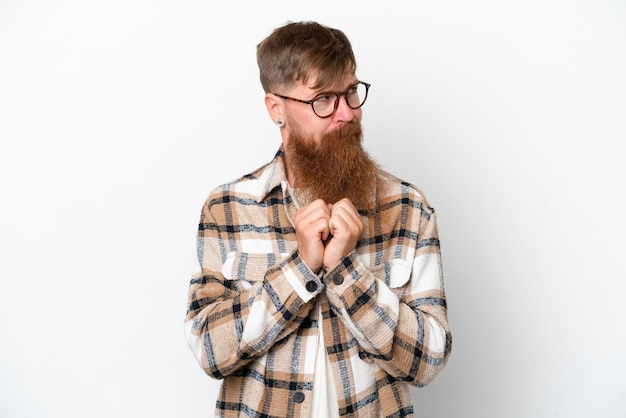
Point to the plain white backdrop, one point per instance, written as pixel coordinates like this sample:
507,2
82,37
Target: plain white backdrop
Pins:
118,117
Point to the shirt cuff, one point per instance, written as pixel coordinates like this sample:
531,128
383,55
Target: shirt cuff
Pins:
346,275
304,281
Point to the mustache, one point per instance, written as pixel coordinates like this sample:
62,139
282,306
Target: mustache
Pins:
349,131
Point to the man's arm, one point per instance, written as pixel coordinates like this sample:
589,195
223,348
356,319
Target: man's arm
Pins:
405,332
230,321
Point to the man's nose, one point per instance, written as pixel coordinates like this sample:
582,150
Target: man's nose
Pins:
344,112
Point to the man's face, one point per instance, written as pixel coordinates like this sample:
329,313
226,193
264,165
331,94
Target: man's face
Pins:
325,156
300,118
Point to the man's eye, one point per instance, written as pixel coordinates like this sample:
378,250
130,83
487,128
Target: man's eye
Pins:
323,99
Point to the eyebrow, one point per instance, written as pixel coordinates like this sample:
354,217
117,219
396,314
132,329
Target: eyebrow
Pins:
352,83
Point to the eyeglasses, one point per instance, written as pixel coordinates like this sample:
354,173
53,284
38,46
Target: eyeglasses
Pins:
325,104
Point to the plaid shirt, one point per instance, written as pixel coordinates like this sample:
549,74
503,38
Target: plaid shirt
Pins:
250,318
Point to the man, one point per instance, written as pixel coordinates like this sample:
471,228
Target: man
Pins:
319,291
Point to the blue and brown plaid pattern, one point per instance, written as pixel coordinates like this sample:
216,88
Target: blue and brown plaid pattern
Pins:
251,319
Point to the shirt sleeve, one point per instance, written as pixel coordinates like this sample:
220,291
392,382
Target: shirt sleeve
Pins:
400,323
231,321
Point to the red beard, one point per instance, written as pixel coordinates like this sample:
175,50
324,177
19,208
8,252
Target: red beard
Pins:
337,168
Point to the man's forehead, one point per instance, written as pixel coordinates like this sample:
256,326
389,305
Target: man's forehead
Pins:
314,84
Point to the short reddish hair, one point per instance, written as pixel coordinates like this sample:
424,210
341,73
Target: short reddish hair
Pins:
298,51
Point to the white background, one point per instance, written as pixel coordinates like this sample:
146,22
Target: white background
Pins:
118,117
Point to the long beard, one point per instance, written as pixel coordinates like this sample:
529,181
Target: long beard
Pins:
337,168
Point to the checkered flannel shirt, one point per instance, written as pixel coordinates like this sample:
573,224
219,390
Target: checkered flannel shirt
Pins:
250,320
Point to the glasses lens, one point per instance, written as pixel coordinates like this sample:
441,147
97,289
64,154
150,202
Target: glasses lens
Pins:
356,95
326,104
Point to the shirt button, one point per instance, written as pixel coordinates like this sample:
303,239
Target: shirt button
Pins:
338,279
311,286
298,397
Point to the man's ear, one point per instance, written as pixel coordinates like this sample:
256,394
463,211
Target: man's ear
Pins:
274,107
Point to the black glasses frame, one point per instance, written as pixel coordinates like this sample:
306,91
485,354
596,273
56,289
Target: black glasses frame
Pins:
338,94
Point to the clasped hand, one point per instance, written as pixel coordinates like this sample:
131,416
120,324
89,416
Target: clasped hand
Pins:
326,233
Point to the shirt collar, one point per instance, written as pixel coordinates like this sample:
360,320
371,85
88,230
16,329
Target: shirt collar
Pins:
272,175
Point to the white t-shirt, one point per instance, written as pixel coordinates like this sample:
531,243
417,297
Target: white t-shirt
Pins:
324,396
